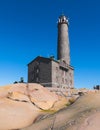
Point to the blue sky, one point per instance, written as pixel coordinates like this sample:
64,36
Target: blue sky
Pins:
28,28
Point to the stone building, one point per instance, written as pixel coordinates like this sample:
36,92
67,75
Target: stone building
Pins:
51,72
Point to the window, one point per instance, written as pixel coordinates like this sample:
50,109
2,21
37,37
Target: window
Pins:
70,74
70,82
57,79
56,69
66,73
37,79
32,79
62,80
37,70
65,80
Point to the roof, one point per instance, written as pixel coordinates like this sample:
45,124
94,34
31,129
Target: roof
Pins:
41,58
48,59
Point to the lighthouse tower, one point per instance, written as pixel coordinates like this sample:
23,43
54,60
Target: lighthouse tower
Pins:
63,40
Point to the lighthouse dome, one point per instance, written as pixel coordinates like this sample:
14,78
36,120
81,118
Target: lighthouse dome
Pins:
63,19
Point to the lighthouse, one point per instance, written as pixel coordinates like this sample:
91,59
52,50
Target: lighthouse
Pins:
63,40
51,72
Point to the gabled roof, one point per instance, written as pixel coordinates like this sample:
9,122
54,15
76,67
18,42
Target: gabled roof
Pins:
40,58
45,58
